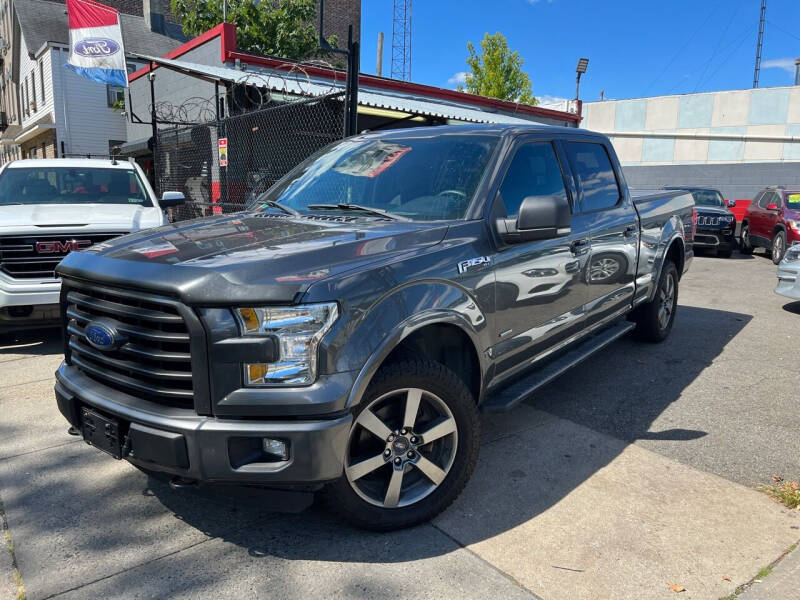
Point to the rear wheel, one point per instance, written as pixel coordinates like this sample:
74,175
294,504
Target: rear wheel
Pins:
411,449
746,247
778,247
654,320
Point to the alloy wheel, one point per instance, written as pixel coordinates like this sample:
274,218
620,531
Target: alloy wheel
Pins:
603,269
401,448
666,297
777,247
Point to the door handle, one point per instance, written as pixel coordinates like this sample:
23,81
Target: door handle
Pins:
577,246
631,230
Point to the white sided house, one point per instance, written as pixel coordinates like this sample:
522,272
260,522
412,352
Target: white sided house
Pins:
59,113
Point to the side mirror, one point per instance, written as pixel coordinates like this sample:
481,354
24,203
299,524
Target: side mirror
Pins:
172,199
772,206
731,203
540,218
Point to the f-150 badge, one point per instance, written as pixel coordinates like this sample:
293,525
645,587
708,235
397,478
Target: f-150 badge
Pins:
473,263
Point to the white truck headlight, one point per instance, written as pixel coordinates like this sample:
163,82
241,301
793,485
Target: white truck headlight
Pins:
298,330
792,254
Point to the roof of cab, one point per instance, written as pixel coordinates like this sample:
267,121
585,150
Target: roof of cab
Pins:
499,129
75,163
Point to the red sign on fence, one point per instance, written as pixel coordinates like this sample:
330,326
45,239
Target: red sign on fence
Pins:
222,146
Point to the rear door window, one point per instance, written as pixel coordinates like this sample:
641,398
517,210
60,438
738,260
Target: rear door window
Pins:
595,175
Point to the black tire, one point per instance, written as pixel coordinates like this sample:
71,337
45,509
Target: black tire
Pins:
650,326
778,248
439,384
745,246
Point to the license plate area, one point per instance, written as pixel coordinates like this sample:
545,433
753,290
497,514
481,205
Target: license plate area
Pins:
101,432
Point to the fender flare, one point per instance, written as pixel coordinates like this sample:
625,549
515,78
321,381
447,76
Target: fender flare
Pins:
415,322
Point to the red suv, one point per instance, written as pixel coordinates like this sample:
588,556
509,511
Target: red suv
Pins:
772,221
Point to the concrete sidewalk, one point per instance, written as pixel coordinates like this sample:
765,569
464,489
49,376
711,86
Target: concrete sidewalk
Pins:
783,582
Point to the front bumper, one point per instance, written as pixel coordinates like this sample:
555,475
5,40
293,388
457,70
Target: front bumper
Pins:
200,448
26,303
789,280
717,238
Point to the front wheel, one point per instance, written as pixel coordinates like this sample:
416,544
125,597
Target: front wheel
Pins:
654,320
412,447
778,247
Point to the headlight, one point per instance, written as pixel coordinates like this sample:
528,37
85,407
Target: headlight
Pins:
794,225
298,330
792,254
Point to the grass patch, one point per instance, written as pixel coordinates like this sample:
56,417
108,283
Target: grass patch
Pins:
785,492
764,573
21,595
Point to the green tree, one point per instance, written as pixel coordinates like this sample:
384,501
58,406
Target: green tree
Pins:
283,28
497,72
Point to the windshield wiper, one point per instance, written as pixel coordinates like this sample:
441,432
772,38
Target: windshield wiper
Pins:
342,206
286,209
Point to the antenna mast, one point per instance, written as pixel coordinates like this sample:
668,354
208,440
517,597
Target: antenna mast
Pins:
757,71
401,40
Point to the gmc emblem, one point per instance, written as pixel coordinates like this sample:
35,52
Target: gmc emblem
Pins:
62,247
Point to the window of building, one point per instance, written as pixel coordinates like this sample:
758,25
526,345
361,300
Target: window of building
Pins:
32,76
115,96
534,171
41,77
595,175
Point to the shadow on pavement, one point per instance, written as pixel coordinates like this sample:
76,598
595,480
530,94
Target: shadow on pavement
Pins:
792,307
519,475
31,342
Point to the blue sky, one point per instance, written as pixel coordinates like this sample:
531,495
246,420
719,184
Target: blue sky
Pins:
636,47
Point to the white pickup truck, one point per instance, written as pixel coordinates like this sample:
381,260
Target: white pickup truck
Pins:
50,207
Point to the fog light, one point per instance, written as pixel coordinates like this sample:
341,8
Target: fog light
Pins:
275,448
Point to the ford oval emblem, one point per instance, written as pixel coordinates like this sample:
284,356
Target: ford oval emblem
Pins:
103,335
96,47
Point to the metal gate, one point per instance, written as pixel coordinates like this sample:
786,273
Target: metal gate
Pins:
222,165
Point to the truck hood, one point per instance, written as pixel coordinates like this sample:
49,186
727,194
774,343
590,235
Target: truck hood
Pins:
97,217
251,257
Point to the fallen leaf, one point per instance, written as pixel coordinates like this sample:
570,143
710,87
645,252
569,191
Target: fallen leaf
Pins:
725,578
676,588
777,478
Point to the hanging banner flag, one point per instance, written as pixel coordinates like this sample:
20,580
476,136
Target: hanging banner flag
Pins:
95,42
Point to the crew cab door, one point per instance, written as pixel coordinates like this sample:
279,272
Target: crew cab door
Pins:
613,229
539,285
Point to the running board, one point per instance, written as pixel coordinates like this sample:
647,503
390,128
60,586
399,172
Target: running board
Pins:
508,397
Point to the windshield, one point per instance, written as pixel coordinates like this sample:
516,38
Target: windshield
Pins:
419,177
708,198
70,185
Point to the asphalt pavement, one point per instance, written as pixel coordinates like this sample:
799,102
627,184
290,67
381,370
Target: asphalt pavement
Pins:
633,472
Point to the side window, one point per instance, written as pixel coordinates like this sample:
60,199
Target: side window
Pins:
767,199
534,171
595,175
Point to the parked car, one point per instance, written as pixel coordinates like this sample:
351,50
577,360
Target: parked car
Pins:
347,328
50,207
716,223
789,274
772,221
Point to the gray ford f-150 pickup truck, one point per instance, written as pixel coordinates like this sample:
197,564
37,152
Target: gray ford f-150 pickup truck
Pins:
347,328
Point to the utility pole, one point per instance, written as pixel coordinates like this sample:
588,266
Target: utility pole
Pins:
401,40
797,71
760,45
379,59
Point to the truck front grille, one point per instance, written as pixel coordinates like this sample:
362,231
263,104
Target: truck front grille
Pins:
36,256
152,359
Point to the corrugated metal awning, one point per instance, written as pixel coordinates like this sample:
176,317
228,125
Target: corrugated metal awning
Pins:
302,85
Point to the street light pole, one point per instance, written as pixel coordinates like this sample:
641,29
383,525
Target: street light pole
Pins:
797,71
580,70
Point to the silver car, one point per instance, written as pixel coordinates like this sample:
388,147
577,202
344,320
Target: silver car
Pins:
789,274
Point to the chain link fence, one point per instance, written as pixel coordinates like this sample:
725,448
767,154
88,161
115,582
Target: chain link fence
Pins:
222,165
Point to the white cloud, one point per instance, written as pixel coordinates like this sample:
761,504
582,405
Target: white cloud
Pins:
787,64
547,99
458,78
